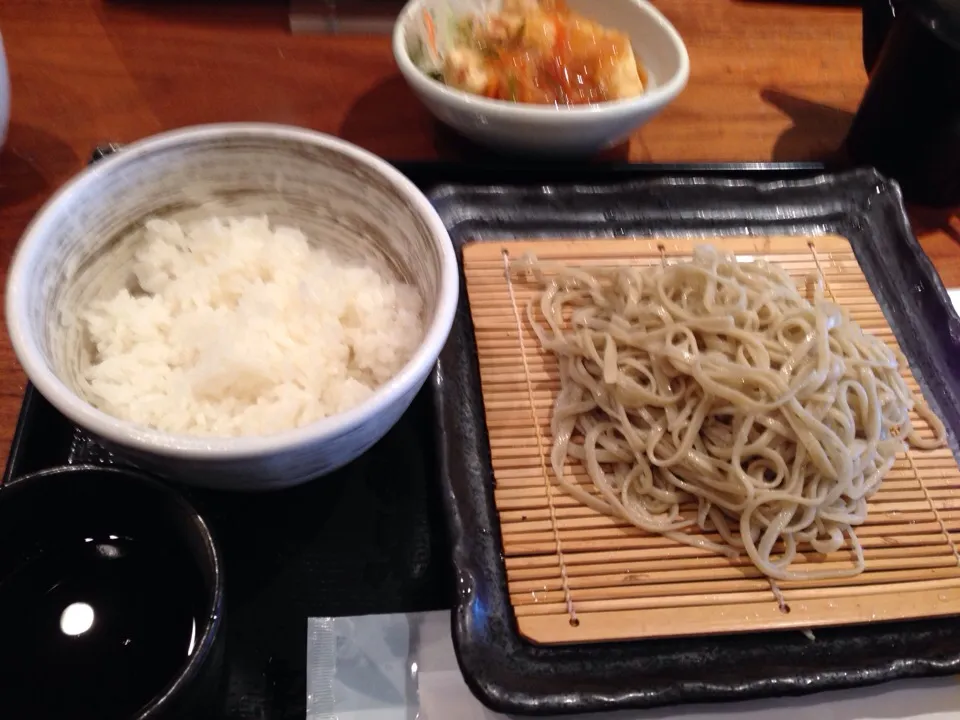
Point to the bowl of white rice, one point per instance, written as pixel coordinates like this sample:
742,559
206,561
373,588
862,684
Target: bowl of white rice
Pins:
237,306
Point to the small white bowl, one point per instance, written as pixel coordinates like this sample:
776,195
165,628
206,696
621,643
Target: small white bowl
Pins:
78,244
550,130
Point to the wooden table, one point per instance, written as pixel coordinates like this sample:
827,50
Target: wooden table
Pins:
769,81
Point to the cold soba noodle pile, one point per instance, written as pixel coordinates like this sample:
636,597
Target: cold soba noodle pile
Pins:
717,381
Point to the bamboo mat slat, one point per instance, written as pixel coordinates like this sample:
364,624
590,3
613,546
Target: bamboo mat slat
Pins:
624,583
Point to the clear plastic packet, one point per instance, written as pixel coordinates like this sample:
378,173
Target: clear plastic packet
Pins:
370,667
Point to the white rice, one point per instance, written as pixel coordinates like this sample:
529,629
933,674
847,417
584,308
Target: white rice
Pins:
239,328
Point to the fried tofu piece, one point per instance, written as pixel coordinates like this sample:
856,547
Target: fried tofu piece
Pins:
463,68
625,81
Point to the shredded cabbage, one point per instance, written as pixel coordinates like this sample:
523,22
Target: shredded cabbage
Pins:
446,21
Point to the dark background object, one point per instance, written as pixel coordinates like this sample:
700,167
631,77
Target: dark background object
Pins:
372,538
344,16
908,124
514,676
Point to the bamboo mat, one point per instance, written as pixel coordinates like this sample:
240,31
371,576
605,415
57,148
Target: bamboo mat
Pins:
625,583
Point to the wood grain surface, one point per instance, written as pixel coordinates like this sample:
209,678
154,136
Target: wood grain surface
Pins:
769,80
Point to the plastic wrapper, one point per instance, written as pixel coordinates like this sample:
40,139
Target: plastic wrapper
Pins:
371,667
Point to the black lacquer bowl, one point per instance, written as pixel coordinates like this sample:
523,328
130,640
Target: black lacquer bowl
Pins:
111,599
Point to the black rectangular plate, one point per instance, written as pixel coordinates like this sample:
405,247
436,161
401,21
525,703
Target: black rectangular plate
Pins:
372,538
512,675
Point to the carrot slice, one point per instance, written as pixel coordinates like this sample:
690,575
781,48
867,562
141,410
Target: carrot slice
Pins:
431,32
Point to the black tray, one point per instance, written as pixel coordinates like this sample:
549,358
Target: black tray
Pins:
512,675
371,539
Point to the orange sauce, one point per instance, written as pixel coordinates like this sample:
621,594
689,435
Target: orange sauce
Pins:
574,70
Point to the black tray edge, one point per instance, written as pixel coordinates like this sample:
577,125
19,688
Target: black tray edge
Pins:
23,421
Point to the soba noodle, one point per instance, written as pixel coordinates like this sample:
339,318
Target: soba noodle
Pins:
716,382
